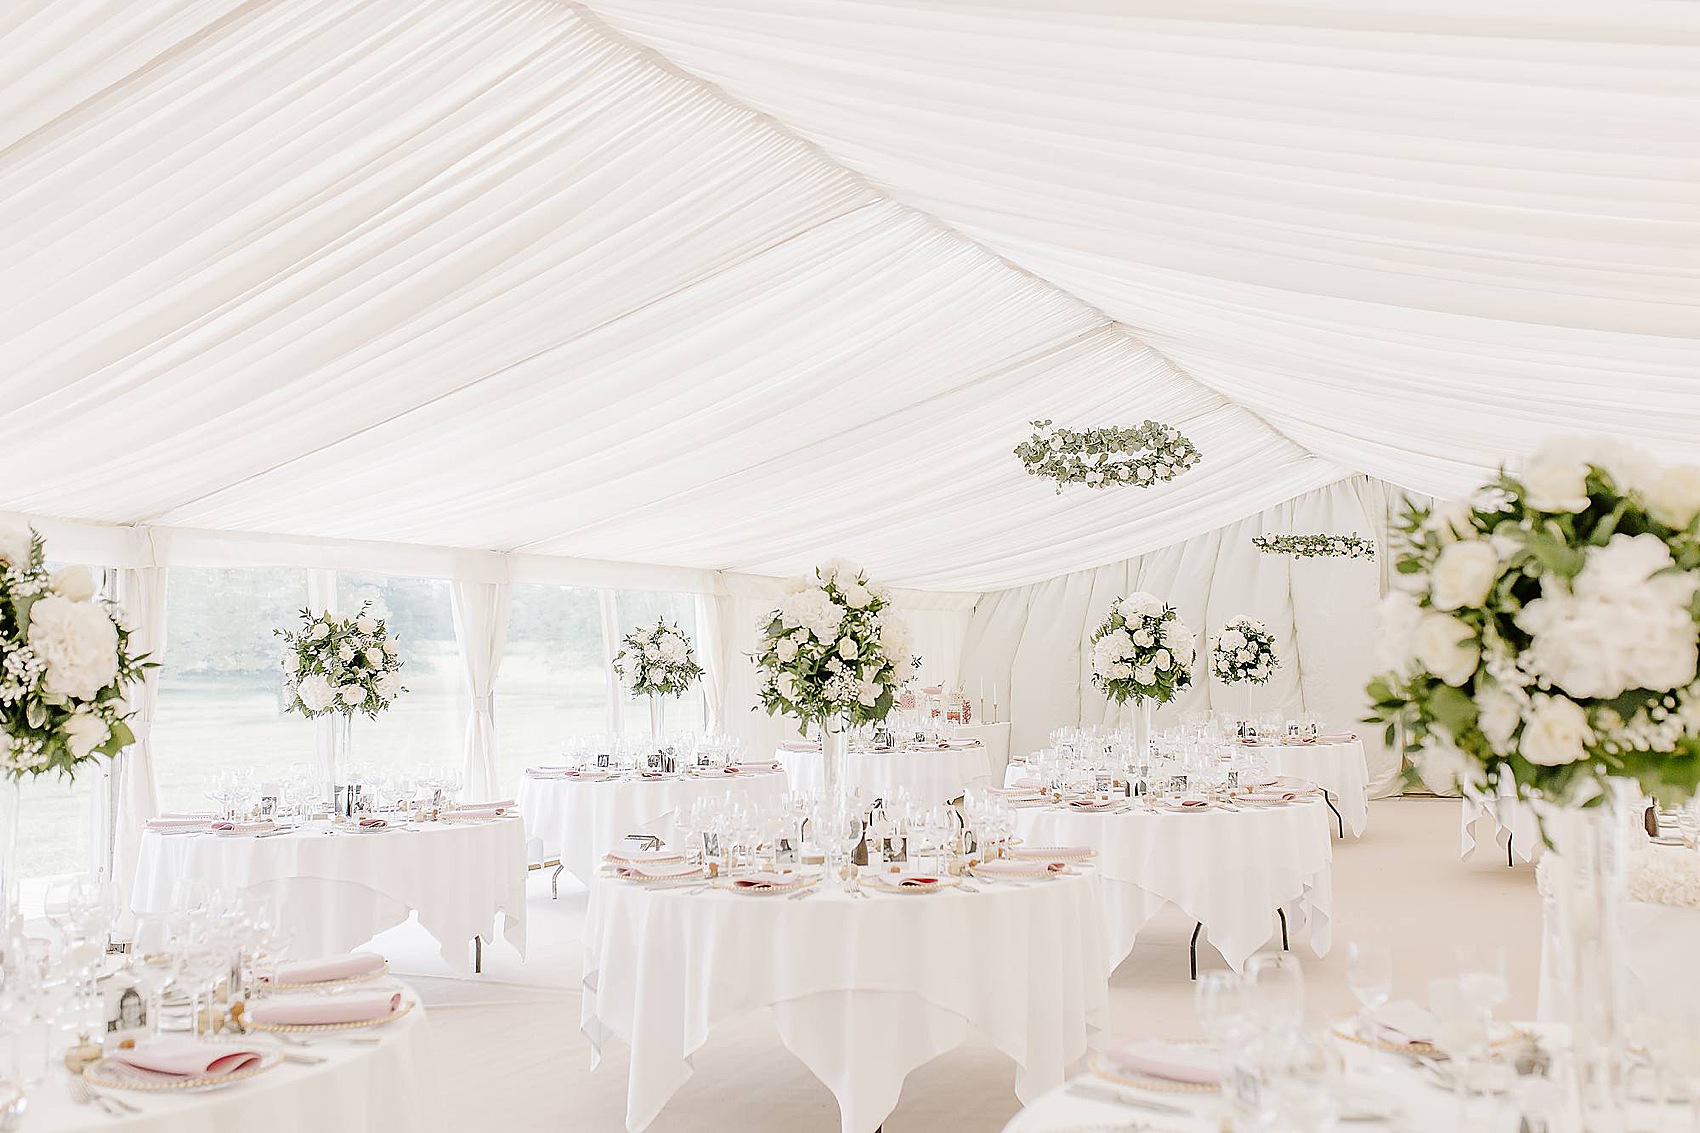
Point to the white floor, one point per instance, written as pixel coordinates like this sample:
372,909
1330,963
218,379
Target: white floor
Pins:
511,1057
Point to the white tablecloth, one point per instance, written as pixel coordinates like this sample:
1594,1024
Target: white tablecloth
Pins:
1229,870
1660,943
931,776
578,822
357,1089
863,991
1513,822
994,736
337,891
1340,769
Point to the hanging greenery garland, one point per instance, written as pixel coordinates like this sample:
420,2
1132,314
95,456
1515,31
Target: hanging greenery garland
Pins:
1316,546
1141,456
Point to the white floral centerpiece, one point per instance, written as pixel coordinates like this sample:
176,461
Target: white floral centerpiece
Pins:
657,661
1142,651
834,649
1544,632
341,665
66,663
1244,651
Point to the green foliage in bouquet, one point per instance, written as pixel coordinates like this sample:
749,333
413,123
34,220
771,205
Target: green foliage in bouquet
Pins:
1142,651
341,664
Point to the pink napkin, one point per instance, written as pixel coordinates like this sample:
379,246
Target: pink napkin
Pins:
187,1058
654,775
798,745
1337,738
260,827
766,879
964,743
1400,1023
309,1010
761,765
1152,1058
1092,804
1028,782
591,773
176,823
655,871
1002,867
478,810
1193,804
374,823
1269,796
909,881
1049,853
730,769
344,967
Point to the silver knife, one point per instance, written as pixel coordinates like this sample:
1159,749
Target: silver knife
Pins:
1117,1097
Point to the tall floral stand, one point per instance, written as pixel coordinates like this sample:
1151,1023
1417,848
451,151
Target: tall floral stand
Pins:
1589,876
1141,713
341,754
834,755
658,720
10,806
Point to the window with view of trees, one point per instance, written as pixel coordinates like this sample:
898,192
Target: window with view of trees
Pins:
554,678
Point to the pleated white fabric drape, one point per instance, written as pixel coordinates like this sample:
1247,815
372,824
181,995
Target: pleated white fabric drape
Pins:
1035,641
141,593
481,632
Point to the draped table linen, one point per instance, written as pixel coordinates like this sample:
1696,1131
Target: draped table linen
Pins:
335,891
577,821
1228,870
1514,824
931,776
863,991
1341,769
358,1088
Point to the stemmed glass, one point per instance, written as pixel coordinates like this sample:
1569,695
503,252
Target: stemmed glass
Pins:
153,964
1277,987
1369,973
1461,1033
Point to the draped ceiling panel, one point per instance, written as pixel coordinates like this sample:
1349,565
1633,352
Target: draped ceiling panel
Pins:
739,287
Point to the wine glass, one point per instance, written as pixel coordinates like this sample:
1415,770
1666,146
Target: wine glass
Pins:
1277,986
153,964
1369,973
1481,970
1461,1033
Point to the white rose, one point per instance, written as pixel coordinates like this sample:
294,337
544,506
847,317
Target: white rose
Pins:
387,686
652,651
366,625
1141,604
1444,768
316,693
1499,715
1450,520
1673,495
1463,575
84,732
856,596
1446,647
1145,675
1163,660
785,649
894,637
1231,639
1554,480
1557,732
375,657
15,542
1179,638
291,661
352,695
786,685
389,647
1140,637
78,643
345,652
903,670
319,632
848,649
868,693
73,582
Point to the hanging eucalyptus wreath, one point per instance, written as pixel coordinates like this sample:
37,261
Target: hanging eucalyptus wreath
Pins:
1316,546
1141,456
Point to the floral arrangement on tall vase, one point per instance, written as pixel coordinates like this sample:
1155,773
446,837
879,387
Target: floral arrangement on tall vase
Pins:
65,662
1244,652
1142,652
1543,637
339,666
835,654
657,661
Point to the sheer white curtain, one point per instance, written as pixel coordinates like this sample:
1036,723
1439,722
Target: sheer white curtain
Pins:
1035,641
141,592
481,631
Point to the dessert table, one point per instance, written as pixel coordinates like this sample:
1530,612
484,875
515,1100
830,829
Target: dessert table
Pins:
579,820
1228,870
931,775
863,990
386,1082
337,888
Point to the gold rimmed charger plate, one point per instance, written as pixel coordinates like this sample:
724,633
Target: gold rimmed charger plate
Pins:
1033,855
1347,1029
324,1028
1103,1070
110,1074
338,982
730,885
943,883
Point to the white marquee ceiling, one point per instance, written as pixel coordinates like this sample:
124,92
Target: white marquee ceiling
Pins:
740,286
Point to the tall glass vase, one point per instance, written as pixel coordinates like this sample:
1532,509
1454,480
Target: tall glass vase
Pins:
834,754
342,754
658,720
10,805
1589,877
1142,730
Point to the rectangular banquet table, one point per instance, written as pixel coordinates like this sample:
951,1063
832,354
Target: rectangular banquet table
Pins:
336,889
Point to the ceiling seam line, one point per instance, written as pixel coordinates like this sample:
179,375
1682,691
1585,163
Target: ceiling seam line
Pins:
597,24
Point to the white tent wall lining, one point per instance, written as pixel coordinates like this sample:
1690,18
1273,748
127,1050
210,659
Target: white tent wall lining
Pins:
1033,643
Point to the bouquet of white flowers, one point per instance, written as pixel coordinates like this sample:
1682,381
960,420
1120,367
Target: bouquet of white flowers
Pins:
657,661
1244,651
64,663
1544,633
341,665
1142,651
834,648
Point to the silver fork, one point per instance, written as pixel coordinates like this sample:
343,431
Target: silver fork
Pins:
83,1094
